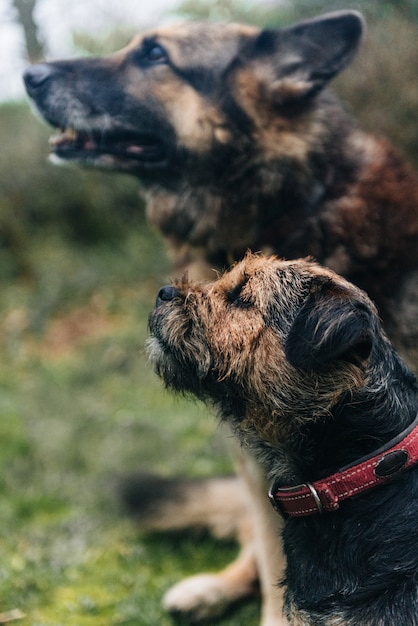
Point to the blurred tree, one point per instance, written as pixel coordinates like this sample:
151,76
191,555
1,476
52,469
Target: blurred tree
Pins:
102,44
248,11
409,8
34,46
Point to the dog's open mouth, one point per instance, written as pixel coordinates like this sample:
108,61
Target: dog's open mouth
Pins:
109,148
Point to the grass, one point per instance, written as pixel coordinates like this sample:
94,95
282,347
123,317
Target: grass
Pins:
79,406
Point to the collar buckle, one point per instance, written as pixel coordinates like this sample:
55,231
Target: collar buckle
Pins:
379,467
275,490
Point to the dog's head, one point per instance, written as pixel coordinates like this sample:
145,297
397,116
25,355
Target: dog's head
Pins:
169,92
279,342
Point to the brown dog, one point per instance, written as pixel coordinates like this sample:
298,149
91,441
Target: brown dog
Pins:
295,359
239,145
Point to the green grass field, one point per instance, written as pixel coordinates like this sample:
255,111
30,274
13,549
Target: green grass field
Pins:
80,406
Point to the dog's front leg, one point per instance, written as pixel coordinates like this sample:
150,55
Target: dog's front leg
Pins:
208,595
267,541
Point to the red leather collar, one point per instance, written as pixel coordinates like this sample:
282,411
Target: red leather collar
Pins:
369,472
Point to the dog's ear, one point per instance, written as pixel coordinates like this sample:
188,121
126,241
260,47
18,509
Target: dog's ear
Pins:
331,326
304,57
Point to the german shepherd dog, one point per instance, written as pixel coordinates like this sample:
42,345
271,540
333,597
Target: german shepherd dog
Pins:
239,145
295,359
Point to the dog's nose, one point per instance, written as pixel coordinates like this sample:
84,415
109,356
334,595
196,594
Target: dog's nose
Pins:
166,294
36,76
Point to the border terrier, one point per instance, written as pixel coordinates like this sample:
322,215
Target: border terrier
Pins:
294,358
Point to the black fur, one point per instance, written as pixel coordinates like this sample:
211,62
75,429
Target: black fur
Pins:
325,331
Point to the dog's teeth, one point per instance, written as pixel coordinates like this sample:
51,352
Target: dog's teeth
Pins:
64,136
55,140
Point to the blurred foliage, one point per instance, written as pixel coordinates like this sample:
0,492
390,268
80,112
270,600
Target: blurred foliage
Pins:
287,11
227,10
381,86
117,38
79,407
36,196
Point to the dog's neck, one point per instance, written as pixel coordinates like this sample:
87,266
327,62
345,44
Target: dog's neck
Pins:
360,423
368,545
272,188
367,421
326,494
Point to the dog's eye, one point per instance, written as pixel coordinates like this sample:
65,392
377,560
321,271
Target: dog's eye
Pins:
148,54
156,54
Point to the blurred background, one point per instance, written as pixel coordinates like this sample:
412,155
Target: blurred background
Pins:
79,270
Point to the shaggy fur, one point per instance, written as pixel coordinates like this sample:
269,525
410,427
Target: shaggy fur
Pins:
238,147
295,359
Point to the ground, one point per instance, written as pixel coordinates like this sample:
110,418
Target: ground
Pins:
79,408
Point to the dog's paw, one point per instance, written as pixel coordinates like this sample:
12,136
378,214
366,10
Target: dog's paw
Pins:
198,598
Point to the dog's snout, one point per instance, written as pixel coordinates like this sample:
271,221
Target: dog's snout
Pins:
166,294
36,76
